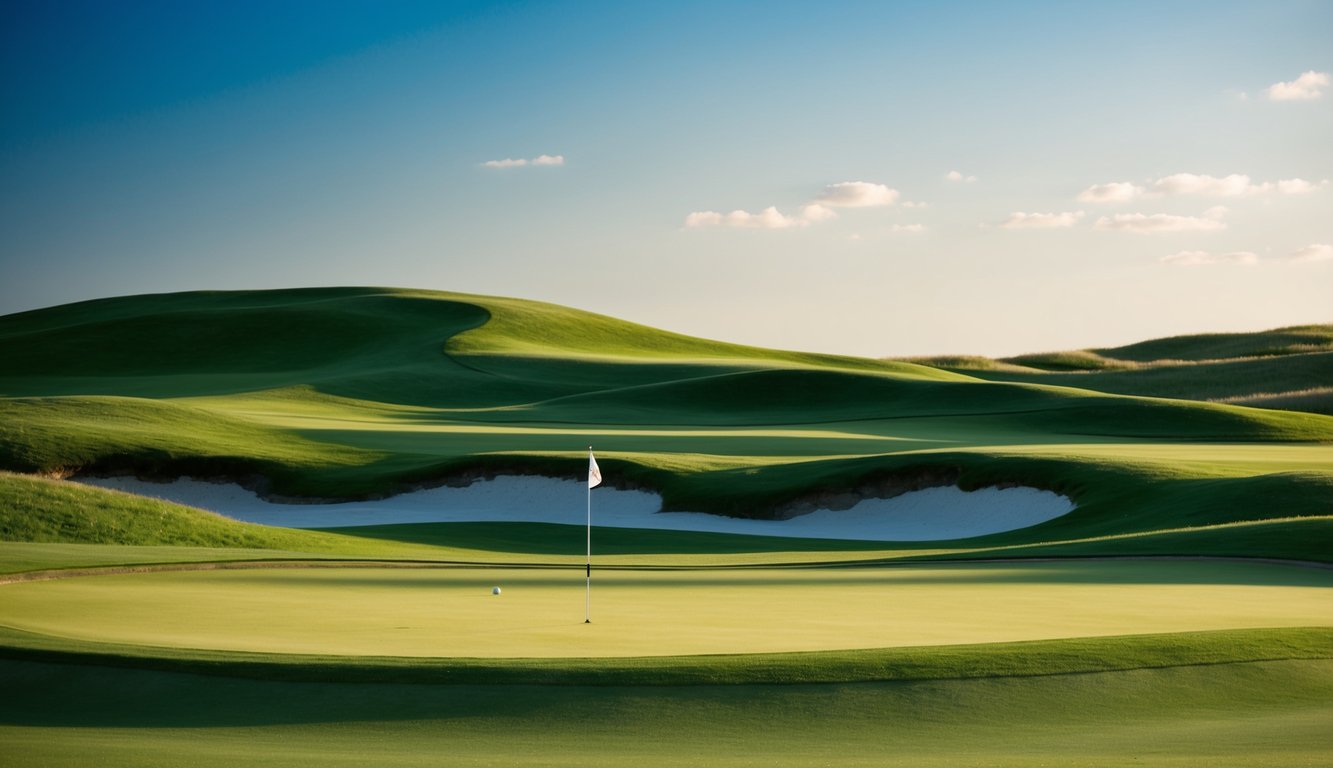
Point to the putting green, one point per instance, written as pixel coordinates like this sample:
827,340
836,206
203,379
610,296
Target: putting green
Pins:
450,612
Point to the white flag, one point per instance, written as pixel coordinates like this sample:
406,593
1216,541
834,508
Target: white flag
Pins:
594,472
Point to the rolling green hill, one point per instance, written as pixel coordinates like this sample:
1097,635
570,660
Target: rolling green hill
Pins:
359,391
333,393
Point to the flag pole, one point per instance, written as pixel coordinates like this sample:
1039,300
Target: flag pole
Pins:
587,596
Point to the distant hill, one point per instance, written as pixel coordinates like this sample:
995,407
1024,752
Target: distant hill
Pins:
1285,368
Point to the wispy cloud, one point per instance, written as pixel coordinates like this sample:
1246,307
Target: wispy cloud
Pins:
1111,192
1195,184
1202,185
959,176
1307,87
858,194
1312,253
1206,259
908,228
769,218
1234,185
1142,223
844,194
1020,220
519,162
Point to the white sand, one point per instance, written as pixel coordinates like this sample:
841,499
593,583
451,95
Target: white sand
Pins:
928,515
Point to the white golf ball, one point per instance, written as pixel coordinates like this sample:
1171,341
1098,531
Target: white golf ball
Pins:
495,591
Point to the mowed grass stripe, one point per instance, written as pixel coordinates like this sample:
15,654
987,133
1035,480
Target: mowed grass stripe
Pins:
1232,714
452,613
1038,658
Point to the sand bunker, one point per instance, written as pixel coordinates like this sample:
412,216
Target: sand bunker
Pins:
932,514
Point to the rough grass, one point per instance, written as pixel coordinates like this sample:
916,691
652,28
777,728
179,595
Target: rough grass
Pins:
1297,339
1311,400
1286,368
44,510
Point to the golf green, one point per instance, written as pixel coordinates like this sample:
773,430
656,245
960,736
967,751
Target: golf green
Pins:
450,612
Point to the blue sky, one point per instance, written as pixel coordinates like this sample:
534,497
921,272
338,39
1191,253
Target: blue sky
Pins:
1119,170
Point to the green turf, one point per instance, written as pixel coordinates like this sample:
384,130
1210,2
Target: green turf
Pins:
1231,714
450,612
709,648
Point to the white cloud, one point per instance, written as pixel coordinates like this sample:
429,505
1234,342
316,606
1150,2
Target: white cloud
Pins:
1299,186
957,176
1304,88
1312,253
769,218
1233,185
1194,184
1205,259
519,162
1142,223
1315,252
815,212
915,204
1111,192
1019,220
857,194
846,194
909,228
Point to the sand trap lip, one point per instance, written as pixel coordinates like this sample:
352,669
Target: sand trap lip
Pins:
932,514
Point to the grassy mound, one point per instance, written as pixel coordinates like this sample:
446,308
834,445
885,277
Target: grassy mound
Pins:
1295,340
1286,368
356,392
41,510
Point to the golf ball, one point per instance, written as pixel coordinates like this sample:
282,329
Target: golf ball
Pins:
495,591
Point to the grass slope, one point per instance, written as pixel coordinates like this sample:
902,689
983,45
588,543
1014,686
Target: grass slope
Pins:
358,392
1286,368
353,392
51,524
1257,713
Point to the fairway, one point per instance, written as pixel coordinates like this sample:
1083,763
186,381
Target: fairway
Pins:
449,612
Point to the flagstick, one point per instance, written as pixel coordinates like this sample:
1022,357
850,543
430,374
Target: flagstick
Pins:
587,597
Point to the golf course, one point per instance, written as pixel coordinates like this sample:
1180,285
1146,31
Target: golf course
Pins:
1147,577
